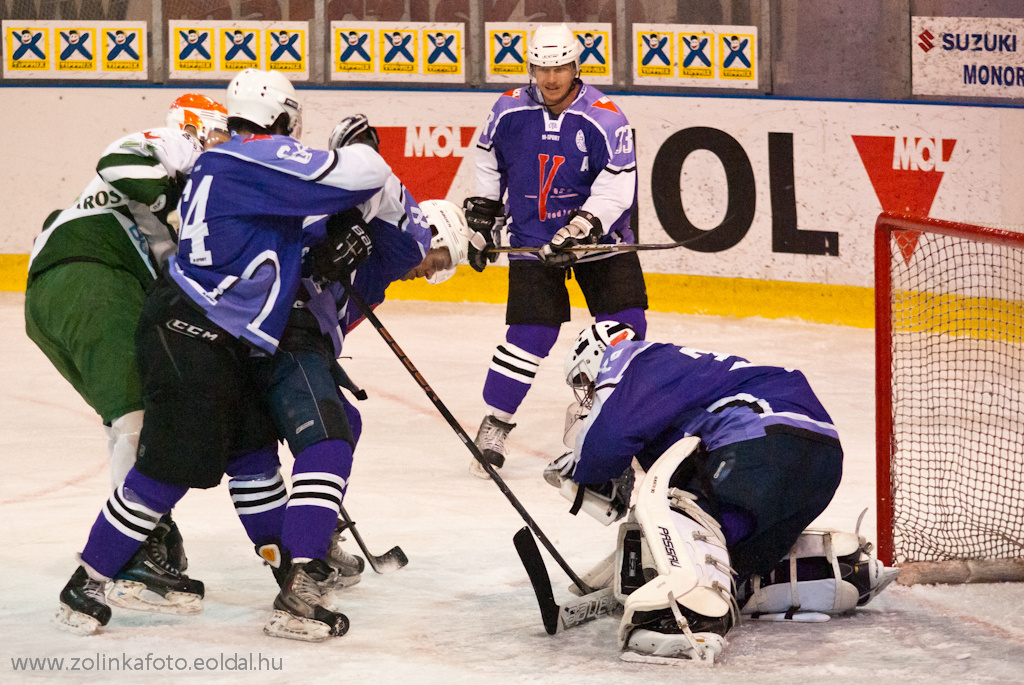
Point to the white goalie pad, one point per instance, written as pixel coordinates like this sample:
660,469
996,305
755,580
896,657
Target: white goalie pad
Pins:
686,548
851,577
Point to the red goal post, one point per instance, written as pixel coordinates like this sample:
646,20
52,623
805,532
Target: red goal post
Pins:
949,364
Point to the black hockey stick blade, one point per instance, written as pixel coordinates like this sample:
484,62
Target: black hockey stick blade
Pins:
529,553
559,617
618,247
392,560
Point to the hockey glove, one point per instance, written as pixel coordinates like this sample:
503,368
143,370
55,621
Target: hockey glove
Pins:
352,130
346,246
560,469
583,229
485,217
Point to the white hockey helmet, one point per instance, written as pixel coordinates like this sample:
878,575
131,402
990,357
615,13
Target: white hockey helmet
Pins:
552,46
261,97
200,112
452,232
584,358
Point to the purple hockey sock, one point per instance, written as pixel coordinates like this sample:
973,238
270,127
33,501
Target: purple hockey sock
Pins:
129,516
515,365
258,493
319,479
634,317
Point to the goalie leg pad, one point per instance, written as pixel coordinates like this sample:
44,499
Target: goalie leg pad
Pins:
826,571
691,593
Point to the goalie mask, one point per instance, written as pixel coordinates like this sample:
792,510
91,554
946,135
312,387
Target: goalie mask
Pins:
584,359
261,97
450,230
199,112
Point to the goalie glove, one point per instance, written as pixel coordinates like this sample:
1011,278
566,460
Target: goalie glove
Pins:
583,229
560,469
485,217
346,246
605,503
352,130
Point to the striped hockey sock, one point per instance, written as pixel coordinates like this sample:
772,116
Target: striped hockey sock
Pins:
319,479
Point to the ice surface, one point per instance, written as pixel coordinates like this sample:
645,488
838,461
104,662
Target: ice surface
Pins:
462,611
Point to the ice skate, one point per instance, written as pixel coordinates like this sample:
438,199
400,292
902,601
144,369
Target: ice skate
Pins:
348,568
490,440
149,582
299,613
83,604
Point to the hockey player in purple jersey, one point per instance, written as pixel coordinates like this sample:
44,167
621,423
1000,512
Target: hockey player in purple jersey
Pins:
738,459
205,334
556,158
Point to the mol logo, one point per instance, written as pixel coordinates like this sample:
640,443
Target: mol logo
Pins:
925,154
426,158
905,172
436,141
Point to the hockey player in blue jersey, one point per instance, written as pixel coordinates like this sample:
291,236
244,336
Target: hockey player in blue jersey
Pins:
739,459
557,159
205,333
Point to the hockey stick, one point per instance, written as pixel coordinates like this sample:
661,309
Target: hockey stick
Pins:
392,560
466,440
618,247
556,617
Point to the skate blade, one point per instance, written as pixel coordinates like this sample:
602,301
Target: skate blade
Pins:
283,624
637,658
799,617
681,653
74,621
129,594
477,470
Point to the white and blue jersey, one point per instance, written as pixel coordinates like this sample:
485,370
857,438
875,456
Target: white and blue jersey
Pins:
650,395
401,238
242,216
582,159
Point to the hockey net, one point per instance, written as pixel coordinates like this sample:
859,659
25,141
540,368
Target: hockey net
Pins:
949,301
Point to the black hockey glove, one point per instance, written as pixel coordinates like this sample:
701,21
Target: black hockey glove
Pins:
346,246
485,217
352,130
583,229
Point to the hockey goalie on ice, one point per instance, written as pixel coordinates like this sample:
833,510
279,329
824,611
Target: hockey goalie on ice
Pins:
738,460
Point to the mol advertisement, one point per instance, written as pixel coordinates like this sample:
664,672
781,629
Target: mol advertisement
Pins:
773,190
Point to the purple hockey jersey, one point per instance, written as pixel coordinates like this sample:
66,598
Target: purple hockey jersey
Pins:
650,395
242,215
582,159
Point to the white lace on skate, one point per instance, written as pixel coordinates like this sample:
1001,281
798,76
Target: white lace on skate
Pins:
130,594
75,621
490,440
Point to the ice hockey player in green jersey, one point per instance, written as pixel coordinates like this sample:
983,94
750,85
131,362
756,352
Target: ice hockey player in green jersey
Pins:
92,263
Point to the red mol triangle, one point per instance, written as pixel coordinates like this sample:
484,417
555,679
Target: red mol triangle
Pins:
902,191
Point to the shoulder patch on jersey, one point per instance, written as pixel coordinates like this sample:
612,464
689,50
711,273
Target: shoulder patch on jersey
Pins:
151,136
605,103
514,93
253,137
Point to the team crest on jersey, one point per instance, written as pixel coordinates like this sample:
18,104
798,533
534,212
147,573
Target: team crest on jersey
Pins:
581,141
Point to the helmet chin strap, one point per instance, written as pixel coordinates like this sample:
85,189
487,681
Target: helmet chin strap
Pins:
531,90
